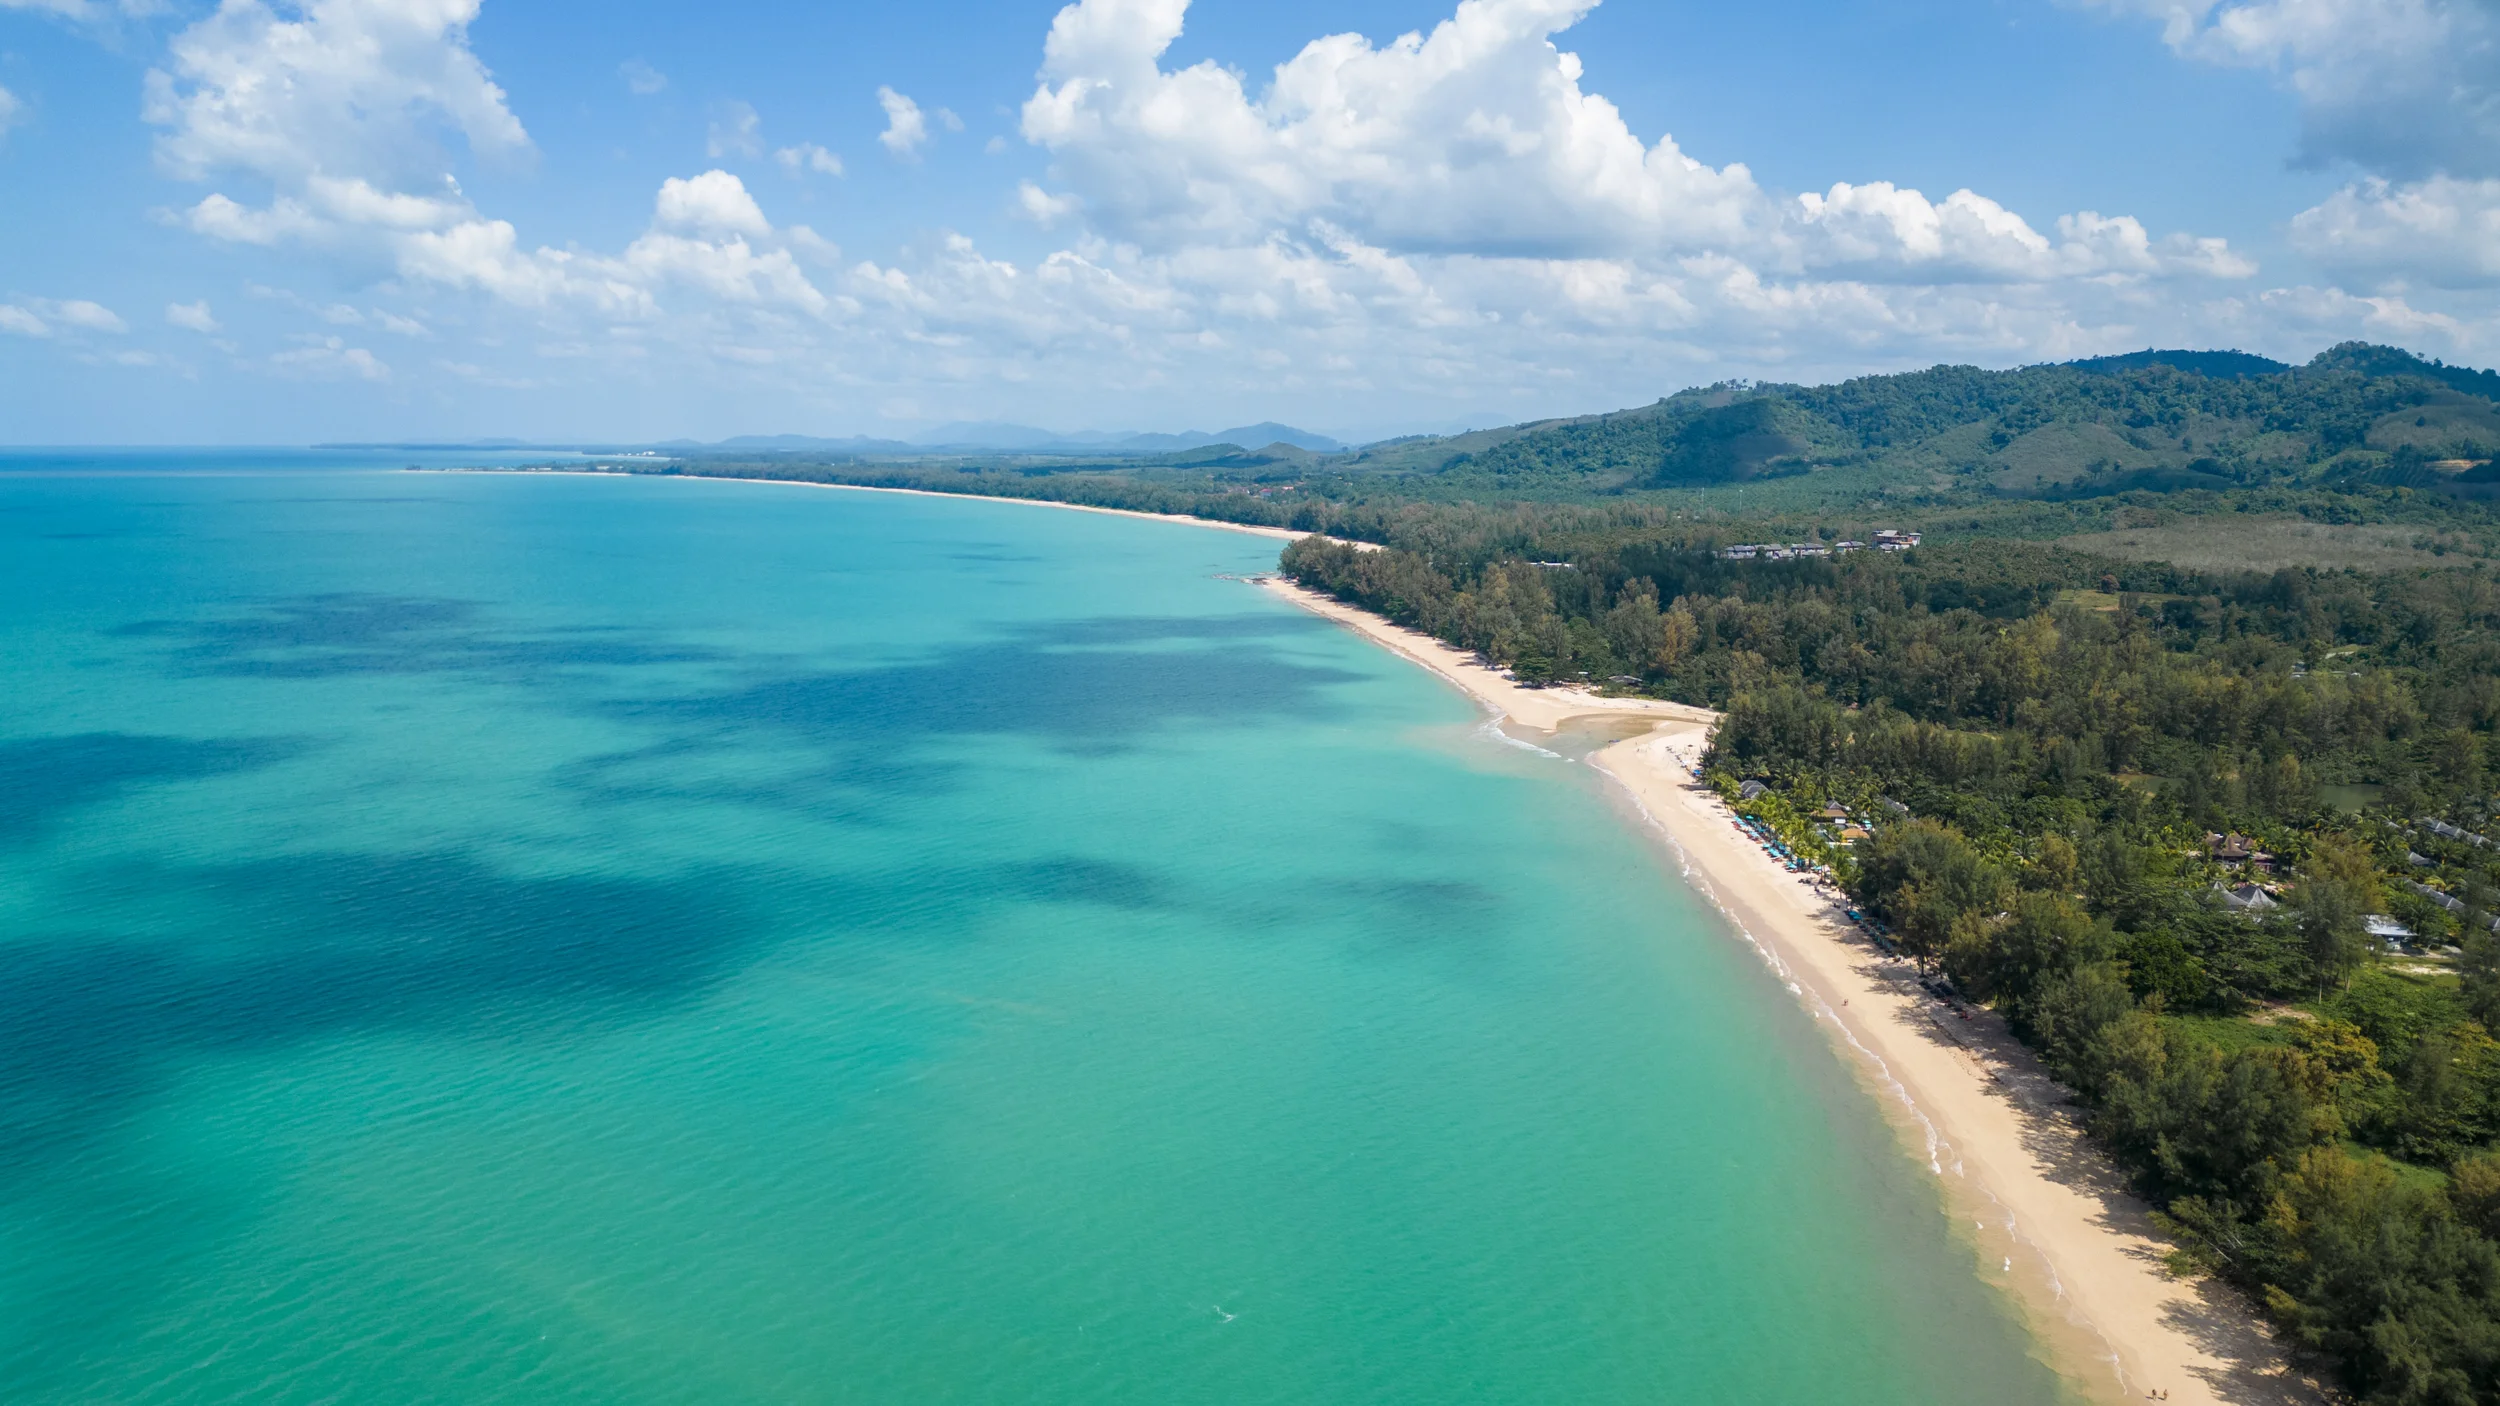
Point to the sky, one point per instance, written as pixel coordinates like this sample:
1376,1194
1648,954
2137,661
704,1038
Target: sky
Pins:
284,221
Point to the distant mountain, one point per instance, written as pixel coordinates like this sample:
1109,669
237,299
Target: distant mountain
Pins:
799,443
452,445
1268,432
998,436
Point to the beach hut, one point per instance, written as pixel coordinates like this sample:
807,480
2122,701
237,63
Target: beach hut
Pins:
1752,789
2246,898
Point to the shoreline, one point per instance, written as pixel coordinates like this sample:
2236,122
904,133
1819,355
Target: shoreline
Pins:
2081,1261
2082,1264
1287,534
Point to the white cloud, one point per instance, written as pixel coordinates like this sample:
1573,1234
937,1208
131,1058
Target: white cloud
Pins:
1445,223
641,79
2442,231
715,202
813,247
1879,230
735,131
357,202
708,236
808,158
10,109
1478,139
219,217
329,359
2408,91
907,127
1042,207
2400,88
194,316
85,316
351,89
41,317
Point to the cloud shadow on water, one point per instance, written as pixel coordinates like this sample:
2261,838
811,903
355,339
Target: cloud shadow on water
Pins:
326,636
42,779
1087,686
277,952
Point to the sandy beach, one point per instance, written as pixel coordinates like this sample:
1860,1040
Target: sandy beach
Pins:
2049,1216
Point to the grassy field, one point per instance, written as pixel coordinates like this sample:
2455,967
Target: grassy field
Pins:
2232,542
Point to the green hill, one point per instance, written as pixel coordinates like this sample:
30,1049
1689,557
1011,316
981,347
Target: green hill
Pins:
2157,421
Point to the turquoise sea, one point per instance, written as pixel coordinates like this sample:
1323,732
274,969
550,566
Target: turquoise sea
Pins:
502,938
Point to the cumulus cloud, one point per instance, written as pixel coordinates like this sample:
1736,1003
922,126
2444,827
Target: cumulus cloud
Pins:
708,237
194,316
735,131
85,316
336,110
1042,207
2408,91
715,202
807,158
907,127
641,79
42,317
349,89
1478,139
1447,219
2400,88
1879,230
2443,231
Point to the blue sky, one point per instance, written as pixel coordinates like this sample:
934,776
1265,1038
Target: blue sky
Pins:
272,221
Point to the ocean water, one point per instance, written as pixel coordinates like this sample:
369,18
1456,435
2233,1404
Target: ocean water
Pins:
531,938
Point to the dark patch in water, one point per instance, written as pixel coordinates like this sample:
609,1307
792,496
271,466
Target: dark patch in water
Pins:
1055,680
279,952
1113,885
1440,894
43,778
325,636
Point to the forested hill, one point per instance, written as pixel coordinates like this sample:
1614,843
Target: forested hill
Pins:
2159,421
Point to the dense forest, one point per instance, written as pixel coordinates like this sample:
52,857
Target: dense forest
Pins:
2047,748
2173,741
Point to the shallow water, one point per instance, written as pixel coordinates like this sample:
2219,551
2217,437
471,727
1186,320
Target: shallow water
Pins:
582,939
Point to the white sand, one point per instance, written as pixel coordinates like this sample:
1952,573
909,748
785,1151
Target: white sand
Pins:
2049,1216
